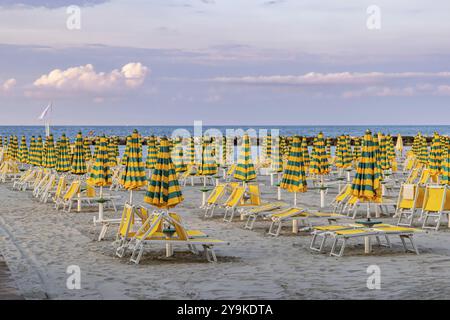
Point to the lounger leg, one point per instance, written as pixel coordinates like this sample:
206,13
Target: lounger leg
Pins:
139,248
103,232
415,249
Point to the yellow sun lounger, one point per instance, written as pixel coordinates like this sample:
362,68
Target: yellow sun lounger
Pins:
410,199
255,212
213,200
341,234
436,203
175,235
135,221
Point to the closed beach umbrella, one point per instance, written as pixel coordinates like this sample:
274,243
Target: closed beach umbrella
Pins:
445,179
383,155
78,158
123,161
319,162
268,147
163,188
133,176
49,160
63,163
87,149
357,149
177,157
423,150
245,169
39,152
277,161
13,148
305,151
100,174
294,178
435,160
366,185
190,154
112,154
208,165
399,144
23,150
152,153
32,151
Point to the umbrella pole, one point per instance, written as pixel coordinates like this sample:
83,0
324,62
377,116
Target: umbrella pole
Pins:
79,197
367,244
131,197
100,205
295,221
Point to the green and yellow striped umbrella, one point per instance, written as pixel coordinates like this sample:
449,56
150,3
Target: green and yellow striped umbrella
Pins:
124,159
329,143
190,154
63,163
13,148
112,154
100,174
339,152
32,151
294,178
177,156
87,149
445,178
230,150
390,149
417,145
319,161
1,142
208,165
49,160
39,151
385,164
268,147
277,161
133,176
224,160
423,151
163,188
23,151
152,153
305,151
435,160
356,149
245,169
78,158
366,185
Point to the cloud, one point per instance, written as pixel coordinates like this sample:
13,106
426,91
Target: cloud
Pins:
342,78
86,79
50,4
381,92
8,85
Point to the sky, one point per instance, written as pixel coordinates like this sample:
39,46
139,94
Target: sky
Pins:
279,62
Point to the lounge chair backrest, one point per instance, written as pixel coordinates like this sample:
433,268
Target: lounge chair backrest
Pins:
235,197
425,176
72,191
90,191
61,186
181,232
216,194
344,194
127,220
434,199
255,195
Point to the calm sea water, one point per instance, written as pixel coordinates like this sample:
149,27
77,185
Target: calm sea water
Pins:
71,131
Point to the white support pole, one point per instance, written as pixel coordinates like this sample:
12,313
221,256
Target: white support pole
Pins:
279,194
100,206
295,199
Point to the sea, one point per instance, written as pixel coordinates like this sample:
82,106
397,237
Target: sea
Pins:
329,131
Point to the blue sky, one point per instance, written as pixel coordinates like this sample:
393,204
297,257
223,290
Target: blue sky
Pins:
225,62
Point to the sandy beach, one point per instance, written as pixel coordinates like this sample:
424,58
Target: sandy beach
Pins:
39,243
